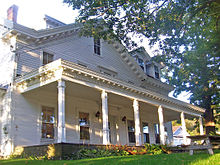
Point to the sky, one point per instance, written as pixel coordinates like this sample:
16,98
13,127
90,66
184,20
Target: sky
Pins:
32,12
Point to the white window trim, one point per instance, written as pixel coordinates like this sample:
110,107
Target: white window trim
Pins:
46,140
47,51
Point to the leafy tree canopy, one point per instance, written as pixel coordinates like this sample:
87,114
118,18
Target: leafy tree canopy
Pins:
187,32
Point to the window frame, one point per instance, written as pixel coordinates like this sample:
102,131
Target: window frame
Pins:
44,53
140,62
157,133
84,127
156,72
144,124
97,46
131,132
44,122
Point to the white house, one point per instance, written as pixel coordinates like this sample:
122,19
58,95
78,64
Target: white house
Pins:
58,87
178,136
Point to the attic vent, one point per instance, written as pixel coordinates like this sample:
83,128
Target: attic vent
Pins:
130,82
82,64
107,72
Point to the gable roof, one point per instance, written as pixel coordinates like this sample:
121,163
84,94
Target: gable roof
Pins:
37,37
178,131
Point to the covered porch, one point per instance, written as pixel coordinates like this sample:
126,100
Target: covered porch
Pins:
77,105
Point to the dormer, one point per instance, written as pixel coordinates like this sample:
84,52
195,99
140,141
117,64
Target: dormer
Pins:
150,67
153,69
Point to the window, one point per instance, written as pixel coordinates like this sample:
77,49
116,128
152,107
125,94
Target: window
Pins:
131,135
157,75
47,58
97,46
141,63
84,126
48,120
146,133
157,133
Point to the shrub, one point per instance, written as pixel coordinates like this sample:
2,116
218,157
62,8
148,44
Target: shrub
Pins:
156,149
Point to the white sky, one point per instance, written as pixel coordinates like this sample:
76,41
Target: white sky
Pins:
31,14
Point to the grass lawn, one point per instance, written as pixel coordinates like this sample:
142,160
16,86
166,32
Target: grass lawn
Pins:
163,159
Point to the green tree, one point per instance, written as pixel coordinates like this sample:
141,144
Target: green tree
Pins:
187,32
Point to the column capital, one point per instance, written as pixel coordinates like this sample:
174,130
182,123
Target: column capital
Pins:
135,102
160,108
104,94
61,83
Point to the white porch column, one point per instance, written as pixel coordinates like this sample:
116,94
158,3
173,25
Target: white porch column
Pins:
183,127
137,123
105,130
161,123
61,112
201,126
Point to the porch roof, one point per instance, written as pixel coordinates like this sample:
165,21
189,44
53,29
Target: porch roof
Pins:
61,69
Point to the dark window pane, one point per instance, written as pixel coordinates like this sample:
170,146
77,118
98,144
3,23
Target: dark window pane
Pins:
97,46
157,133
131,137
146,138
141,63
84,133
47,58
156,70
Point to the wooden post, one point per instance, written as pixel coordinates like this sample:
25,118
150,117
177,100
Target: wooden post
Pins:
183,127
61,112
201,126
161,123
104,97
137,123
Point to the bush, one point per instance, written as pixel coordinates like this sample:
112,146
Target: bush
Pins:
156,149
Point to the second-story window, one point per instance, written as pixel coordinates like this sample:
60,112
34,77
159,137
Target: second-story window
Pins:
97,46
156,69
47,58
141,63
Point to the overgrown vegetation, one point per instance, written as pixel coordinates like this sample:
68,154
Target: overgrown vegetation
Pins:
119,150
85,153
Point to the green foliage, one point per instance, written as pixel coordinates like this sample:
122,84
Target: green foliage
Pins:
118,150
187,33
156,149
96,153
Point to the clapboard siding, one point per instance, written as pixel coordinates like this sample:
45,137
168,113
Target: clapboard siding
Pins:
28,121
79,49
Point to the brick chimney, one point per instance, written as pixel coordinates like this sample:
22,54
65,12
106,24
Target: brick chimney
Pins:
12,13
